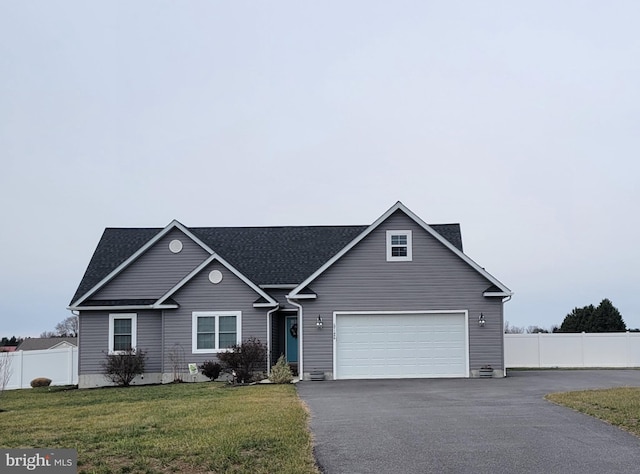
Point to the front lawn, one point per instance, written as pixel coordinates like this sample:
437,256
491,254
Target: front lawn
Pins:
196,428
618,406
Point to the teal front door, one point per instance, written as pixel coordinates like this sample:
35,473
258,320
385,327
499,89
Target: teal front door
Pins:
291,338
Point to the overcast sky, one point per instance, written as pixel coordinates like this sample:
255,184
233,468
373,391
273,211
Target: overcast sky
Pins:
519,120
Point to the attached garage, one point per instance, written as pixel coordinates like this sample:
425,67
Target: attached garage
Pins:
427,344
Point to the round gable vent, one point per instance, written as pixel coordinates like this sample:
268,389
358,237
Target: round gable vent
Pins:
175,246
215,276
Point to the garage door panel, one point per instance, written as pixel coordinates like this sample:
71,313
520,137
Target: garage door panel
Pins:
401,345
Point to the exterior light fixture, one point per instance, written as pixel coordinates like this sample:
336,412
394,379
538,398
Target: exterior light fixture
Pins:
319,322
481,320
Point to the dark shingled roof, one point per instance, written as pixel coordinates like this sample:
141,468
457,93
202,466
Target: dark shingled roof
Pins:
265,255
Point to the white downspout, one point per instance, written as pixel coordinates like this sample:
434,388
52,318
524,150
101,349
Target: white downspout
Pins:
269,319
504,368
300,331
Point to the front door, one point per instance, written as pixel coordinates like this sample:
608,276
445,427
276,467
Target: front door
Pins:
291,338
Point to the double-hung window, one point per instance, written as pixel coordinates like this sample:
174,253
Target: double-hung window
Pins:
214,331
399,246
122,332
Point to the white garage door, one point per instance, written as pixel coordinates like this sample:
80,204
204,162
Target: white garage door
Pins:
388,345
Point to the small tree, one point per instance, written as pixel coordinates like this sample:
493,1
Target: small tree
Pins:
122,367
281,372
211,369
243,360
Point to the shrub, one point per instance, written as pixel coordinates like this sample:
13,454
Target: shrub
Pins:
281,372
121,368
243,360
40,382
211,369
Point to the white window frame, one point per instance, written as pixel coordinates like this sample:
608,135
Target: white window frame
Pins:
409,256
216,315
134,329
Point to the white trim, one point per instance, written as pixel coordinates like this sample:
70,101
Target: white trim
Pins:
409,246
496,293
302,297
372,227
174,224
445,311
288,286
213,314
229,267
134,329
300,345
62,345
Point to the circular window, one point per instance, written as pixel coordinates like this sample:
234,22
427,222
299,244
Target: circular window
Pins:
175,246
215,276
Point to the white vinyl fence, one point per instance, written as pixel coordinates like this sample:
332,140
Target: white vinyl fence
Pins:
572,350
59,365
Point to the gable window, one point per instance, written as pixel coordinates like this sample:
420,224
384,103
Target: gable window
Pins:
214,331
122,332
399,246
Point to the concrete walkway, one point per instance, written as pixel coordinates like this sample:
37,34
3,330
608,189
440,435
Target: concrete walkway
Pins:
467,425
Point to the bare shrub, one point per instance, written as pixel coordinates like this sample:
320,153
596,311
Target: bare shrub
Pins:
121,368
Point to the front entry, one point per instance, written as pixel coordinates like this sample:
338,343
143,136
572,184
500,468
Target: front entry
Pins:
291,340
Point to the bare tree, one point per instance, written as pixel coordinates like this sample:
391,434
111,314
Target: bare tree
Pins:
508,329
536,330
48,334
68,327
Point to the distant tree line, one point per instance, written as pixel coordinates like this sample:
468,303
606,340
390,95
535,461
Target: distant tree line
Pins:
603,318
10,341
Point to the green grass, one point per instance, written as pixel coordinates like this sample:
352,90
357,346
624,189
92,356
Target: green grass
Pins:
618,406
197,428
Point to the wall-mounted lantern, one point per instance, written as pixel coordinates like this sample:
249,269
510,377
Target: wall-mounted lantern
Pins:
319,322
481,320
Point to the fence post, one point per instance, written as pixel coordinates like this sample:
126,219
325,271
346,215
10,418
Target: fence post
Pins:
70,365
21,365
539,352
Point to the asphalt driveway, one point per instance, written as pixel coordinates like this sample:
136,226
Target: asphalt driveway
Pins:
467,425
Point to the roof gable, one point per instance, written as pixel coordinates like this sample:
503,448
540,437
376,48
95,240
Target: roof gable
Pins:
297,292
116,248
268,300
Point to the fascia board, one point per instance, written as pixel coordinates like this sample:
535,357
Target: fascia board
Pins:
129,307
398,206
229,267
173,224
302,297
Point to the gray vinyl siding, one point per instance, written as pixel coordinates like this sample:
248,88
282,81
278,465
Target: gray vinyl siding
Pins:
436,279
94,339
156,271
199,294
